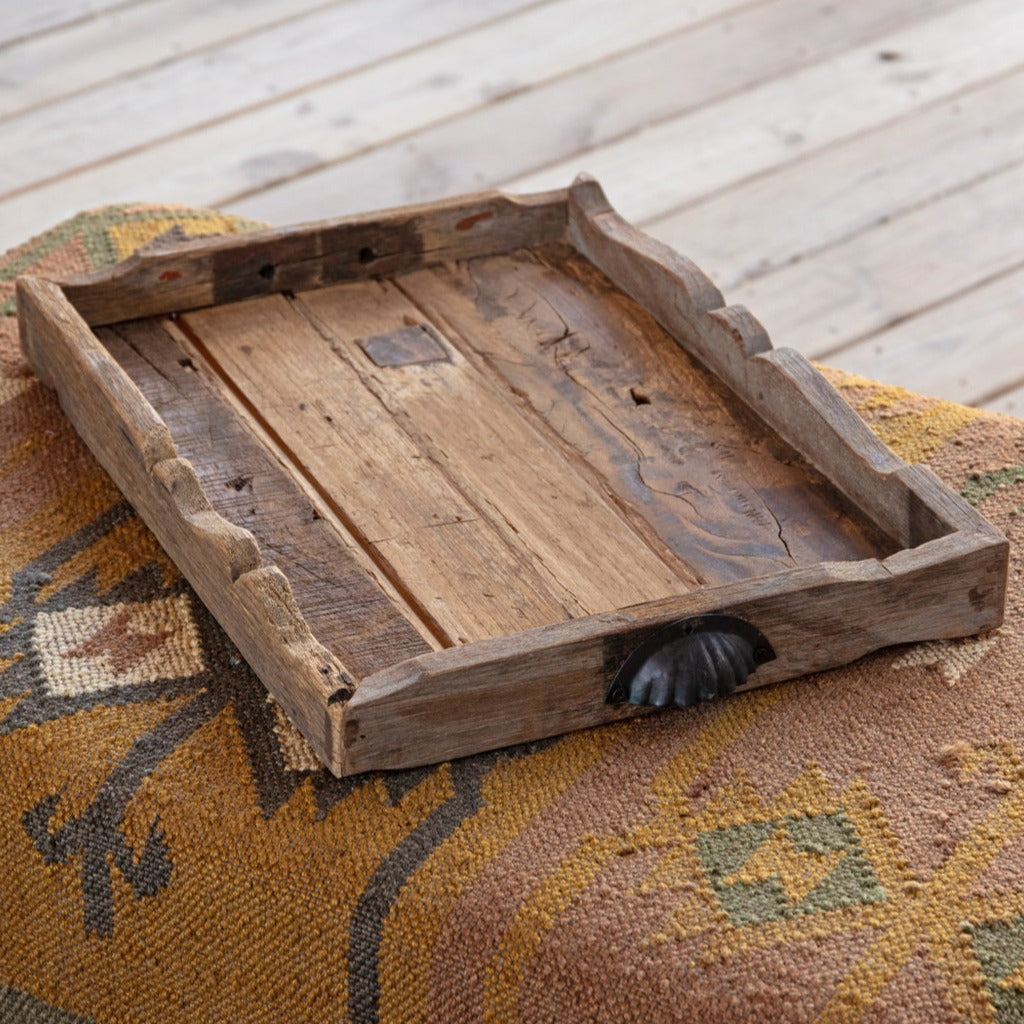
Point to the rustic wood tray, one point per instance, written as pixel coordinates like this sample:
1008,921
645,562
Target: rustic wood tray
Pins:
482,471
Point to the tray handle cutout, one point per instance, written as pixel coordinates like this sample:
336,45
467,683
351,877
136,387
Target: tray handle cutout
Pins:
691,660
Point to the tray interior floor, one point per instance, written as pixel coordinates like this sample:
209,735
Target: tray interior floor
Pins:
499,444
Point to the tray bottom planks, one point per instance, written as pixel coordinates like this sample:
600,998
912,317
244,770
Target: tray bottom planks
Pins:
550,453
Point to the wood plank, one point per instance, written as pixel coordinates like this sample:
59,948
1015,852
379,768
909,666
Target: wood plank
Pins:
252,602
257,142
194,89
22,21
801,207
72,58
575,112
533,494
225,269
720,491
902,267
499,692
335,592
659,168
965,349
432,541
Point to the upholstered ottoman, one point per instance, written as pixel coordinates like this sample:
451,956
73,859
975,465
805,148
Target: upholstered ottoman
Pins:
849,848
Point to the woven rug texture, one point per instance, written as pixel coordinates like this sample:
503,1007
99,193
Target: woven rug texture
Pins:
844,848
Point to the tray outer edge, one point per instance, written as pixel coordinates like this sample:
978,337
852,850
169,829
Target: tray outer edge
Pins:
207,272
552,680
253,602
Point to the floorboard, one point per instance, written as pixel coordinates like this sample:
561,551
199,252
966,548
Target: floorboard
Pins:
249,153
781,121
49,66
848,170
579,109
178,96
25,20
802,207
850,291
1010,401
967,348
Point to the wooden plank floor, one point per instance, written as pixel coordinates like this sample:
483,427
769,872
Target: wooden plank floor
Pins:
852,171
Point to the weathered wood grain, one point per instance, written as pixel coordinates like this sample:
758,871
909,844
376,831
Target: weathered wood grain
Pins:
70,58
333,585
801,207
895,270
783,388
222,561
433,540
966,349
347,78
220,270
500,692
517,477
662,166
564,117
22,21
668,442
193,88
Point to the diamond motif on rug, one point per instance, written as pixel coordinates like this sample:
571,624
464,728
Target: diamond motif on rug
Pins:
83,650
766,870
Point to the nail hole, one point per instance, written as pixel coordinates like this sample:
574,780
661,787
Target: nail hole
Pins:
366,255
267,271
639,397
187,364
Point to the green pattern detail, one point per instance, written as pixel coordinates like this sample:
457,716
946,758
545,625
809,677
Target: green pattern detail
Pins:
26,1009
727,849
999,946
984,485
821,832
754,902
852,881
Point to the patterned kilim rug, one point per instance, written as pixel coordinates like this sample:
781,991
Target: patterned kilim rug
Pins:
849,847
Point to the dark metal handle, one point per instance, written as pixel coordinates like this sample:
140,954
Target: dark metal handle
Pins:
691,660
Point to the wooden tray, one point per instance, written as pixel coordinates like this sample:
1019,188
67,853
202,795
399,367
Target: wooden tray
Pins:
482,471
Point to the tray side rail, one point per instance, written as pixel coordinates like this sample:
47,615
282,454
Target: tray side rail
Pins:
778,385
253,602
208,272
555,679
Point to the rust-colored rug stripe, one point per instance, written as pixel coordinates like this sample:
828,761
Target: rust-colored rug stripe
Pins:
848,847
